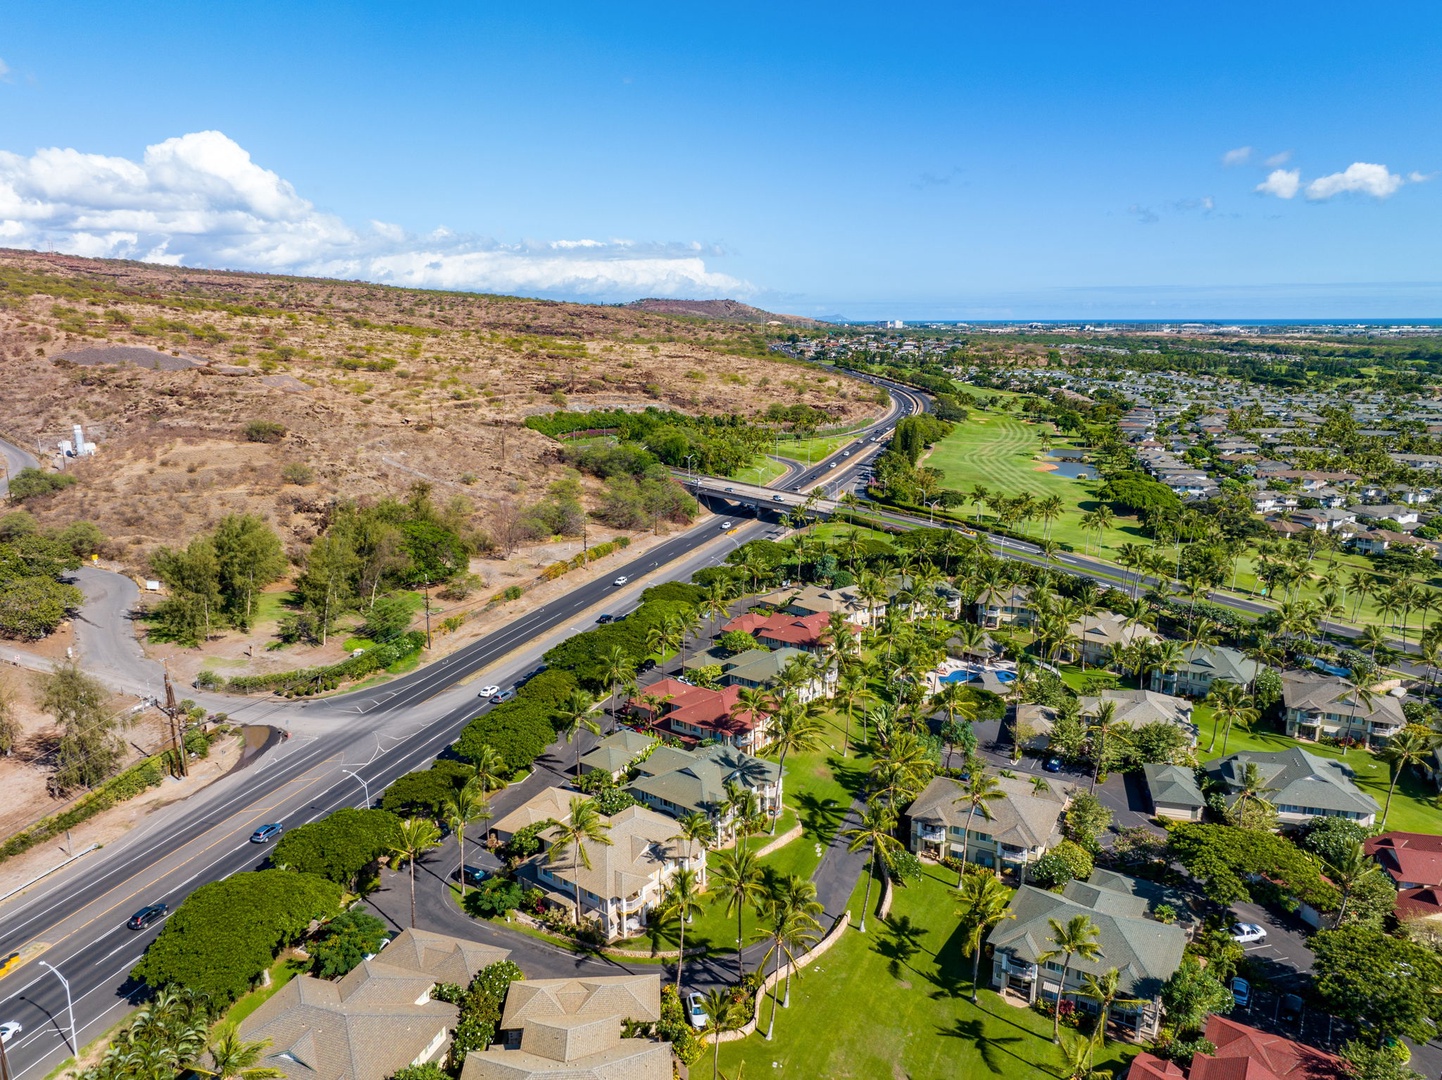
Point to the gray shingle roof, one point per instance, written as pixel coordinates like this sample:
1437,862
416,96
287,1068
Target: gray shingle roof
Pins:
1026,818
1299,779
1173,785
695,780
1145,951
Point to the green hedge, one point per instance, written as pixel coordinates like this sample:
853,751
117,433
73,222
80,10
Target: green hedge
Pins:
339,847
140,777
314,680
522,728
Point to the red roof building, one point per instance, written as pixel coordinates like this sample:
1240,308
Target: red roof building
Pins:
696,715
1414,863
1243,1053
777,631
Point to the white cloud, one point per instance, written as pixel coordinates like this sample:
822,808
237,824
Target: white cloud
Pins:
1374,180
1283,183
1278,160
200,200
4,71
1416,177
1240,156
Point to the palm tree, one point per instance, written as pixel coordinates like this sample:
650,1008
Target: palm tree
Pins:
696,828
1076,1053
464,805
1354,868
978,495
790,918
737,879
1408,747
980,790
903,766
585,825
488,769
1251,797
1231,705
233,1058
875,833
681,901
795,727
573,715
1103,729
617,668
1106,991
985,902
721,1016
416,836
850,687
1076,937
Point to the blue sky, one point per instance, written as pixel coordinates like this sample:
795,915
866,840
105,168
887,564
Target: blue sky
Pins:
951,160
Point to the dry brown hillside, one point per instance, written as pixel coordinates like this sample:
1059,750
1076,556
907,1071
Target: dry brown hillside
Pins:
376,387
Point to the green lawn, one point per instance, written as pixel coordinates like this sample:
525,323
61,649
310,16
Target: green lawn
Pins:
763,472
1413,806
281,972
813,450
894,1002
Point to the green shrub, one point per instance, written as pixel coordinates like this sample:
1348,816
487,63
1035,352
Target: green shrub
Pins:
344,942
30,483
264,431
339,847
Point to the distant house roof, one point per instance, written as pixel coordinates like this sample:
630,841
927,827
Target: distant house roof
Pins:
570,1029
1312,691
761,667
616,751
711,710
1145,951
376,1020
1107,628
1026,817
641,843
1415,858
1297,779
1137,707
1243,1053
695,780
814,598
1173,785
548,804
1218,662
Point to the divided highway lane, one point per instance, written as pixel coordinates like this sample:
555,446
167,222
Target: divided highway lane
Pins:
376,734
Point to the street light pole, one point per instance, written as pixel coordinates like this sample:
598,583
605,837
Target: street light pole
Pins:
69,1007
360,780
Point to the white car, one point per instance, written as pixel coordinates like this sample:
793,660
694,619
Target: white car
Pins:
1248,933
488,691
725,525
696,1009
620,580
9,1030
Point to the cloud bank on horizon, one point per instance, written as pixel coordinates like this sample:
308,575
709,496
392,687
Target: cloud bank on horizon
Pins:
199,200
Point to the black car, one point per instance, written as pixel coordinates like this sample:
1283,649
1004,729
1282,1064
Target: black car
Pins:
601,620
146,916
473,875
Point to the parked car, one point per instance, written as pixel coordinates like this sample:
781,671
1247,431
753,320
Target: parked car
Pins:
266,833
473,875
1248,933
620,580
488,691
696,1009
146,916
1241,991
503,696
1052,764
602,620
8,1031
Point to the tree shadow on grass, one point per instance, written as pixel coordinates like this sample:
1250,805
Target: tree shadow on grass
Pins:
820,818
952,977
900,943
996,1052
853,779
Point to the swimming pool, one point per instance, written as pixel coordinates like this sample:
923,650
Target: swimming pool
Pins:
967,676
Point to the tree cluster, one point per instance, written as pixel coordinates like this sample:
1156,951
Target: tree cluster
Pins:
341,847
34,599
215,579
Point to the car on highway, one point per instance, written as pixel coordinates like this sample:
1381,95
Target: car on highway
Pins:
725,525
620,580
832,465
777,498
1248,933
731,489
8,1031
266,833
696,1009
488,691
1241,991
147,916
602,620
473,875
1052,764
502,696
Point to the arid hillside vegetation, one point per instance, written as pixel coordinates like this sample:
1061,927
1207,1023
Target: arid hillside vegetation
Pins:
211,393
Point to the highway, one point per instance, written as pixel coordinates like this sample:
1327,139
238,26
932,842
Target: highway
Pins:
343,751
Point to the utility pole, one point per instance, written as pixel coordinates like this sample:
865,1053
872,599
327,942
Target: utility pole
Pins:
428,613
177,726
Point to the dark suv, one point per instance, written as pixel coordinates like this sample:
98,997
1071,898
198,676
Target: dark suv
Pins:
146,916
